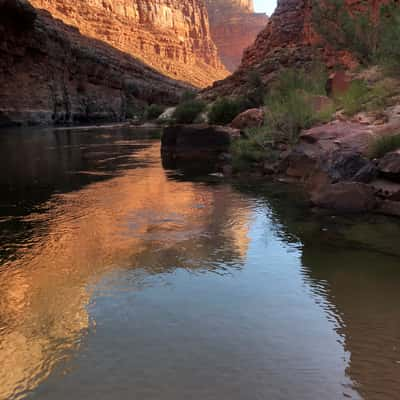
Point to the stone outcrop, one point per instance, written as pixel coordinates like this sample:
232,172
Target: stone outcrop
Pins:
50,72
195,146
252,118
333,162
172,36
346,197
234,27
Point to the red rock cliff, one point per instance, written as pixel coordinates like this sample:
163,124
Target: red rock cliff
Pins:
234,27
50,73
289,40
172,36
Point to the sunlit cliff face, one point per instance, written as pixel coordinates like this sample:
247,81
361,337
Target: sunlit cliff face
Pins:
171,36
234,27
140,220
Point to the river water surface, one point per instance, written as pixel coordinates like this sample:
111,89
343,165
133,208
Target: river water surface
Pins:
120,279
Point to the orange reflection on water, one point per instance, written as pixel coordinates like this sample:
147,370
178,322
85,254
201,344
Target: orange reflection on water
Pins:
132,220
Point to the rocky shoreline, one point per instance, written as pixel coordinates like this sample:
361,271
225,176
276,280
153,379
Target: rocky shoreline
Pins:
330,161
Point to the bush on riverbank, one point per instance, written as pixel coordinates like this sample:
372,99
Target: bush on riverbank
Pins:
364,97
153,112
188,111
383,145
289,109
224,110
289,103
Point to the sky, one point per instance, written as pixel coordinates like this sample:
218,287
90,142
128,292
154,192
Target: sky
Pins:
267,6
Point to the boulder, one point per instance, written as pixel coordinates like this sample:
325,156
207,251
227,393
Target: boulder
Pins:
167,114
391,208
386,189
252,118
348,197
338,83
197,141
389,165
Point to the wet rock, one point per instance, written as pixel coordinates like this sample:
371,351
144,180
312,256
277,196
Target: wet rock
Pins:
349,165
252,118
391,208
346,197
197,141
386,189
389,165
366,174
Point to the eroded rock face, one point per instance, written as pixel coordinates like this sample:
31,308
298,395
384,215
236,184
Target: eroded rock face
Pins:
252,118
346,197
234,27
172,36
50,73
289,40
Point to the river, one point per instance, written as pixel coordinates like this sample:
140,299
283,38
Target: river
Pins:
120,279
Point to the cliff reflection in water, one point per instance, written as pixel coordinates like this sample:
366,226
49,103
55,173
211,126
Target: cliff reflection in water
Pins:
136,219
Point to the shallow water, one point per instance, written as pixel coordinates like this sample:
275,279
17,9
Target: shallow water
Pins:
119,279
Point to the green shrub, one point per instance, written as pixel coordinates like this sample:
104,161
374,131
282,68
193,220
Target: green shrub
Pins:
188,95
224,110
383,145
355,98
154,111
256,146
134,109
361,97
289,104
255,91
359,31
187,112
388,50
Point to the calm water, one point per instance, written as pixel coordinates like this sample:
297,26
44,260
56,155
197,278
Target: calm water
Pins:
122,280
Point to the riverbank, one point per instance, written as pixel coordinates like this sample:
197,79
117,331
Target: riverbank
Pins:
343,149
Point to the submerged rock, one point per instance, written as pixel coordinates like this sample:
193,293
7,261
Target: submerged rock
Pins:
346,197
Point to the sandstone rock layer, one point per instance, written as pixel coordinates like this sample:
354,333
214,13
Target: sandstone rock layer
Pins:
172,36
234,27
50,73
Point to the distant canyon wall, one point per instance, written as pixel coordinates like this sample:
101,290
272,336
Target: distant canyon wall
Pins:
234,27
172,36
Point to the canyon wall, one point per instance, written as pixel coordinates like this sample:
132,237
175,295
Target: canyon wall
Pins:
172,36
50,73
234,27
288,40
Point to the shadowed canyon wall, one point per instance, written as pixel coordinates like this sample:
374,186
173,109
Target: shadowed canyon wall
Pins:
172,36
50,73
234,27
